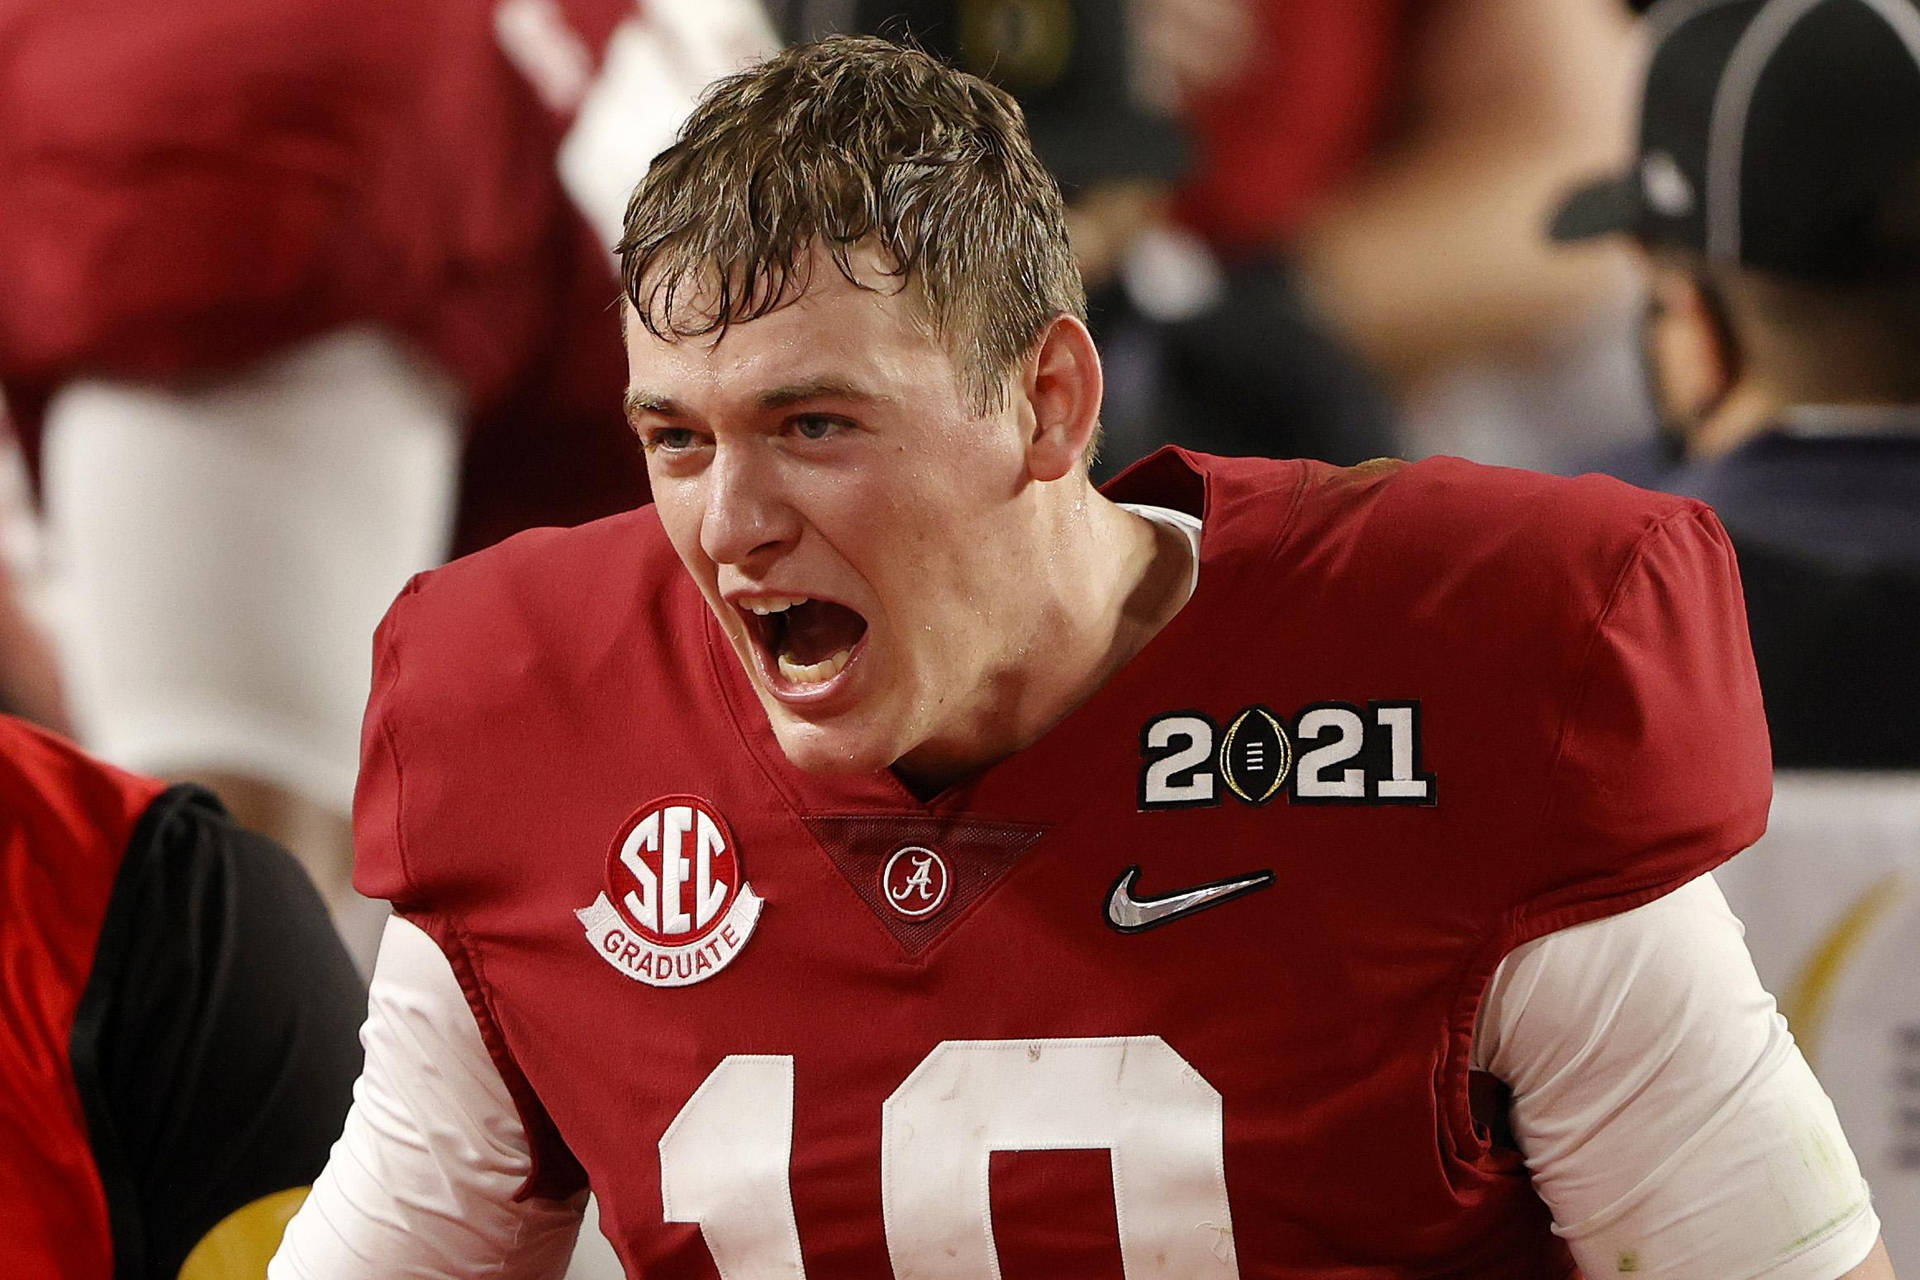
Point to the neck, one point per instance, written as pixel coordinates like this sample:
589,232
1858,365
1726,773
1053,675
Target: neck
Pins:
1107,581
1746,411
1755,404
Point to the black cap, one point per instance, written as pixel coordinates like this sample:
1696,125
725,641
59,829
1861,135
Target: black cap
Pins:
1068,62
1781,135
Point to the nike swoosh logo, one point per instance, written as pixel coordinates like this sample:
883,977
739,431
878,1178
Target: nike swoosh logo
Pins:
1130,914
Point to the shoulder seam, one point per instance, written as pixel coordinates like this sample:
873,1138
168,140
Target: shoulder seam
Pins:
399,808
387,732
1296,504
1636,556
545,1145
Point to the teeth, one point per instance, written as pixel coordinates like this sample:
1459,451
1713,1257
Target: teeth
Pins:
816,673
772,604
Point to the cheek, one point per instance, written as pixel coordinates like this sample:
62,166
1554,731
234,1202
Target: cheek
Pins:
679,507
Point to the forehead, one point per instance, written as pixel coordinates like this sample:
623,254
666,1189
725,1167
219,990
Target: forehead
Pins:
877,336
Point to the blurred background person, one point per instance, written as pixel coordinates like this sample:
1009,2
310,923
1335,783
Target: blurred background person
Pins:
1416,239
1775,205
177,1026
1772,209
272,276
1209,352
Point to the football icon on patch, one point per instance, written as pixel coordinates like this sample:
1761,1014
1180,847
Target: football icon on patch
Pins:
1255,755
677,907
916,881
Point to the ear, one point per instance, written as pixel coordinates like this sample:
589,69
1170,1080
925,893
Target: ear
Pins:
1062,386
1692,342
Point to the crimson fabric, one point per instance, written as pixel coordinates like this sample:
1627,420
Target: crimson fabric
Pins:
1590,717
64,824
192,186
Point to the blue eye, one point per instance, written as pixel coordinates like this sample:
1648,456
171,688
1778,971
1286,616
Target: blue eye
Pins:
671,440
816,426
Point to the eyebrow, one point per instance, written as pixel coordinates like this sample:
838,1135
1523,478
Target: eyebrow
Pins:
638,401
818,389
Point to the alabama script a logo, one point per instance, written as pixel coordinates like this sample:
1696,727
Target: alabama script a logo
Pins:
677,907
916,881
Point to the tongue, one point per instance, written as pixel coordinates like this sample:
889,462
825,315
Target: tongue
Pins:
818,629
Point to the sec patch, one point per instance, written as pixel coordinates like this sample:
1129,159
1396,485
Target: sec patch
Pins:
677,907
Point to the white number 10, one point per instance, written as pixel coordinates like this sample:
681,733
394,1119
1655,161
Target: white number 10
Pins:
724,1161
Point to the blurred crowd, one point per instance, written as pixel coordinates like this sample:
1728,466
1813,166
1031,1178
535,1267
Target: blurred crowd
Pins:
300,297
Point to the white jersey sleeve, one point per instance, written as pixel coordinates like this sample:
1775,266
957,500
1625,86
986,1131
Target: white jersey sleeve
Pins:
421,1183
1670,1122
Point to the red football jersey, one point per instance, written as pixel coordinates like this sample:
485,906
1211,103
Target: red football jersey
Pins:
65,821
191,186
1185,988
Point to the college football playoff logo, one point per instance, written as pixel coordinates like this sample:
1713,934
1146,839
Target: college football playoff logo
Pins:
677,907
1255,755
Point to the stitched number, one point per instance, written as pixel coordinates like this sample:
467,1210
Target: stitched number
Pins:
1132,1095
725,1159
1177,777
1310,781
1407,783
1347,761
724,1164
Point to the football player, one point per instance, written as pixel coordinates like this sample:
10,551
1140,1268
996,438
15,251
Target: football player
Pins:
888,855
176,1028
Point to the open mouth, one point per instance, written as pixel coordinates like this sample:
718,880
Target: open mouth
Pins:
803,643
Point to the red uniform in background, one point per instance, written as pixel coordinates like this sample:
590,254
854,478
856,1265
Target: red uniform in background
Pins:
1320,90
177,1023
192,186
1411,718
65,823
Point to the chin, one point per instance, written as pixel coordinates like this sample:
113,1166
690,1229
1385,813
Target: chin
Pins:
815,748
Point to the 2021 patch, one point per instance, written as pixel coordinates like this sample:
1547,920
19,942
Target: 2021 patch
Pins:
1326,753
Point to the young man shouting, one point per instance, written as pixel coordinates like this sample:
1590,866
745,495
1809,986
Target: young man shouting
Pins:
889,856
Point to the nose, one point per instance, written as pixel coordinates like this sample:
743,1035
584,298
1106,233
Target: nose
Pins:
747,515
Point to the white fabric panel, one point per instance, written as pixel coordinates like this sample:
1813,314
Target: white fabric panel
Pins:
221,554
1670,1122
655,69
